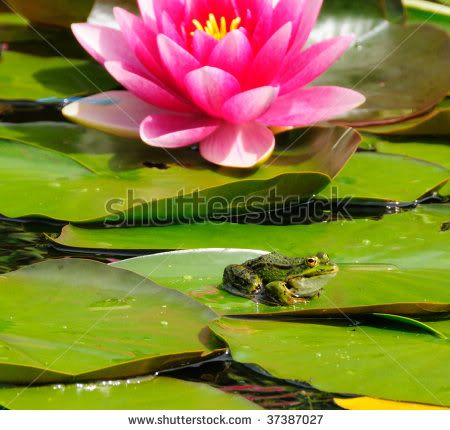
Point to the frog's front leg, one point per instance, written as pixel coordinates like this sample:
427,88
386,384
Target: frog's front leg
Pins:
241,278
278,293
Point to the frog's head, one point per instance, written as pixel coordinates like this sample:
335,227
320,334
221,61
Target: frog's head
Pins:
312,275
318,265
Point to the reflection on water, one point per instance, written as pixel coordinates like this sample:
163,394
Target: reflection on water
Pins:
256,385
19,247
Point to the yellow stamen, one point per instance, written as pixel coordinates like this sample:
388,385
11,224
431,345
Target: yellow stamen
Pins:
235,24
223,25
213,22
213,28
197,24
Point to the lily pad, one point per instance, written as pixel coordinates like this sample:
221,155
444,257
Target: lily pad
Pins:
371,361
27,76
356,289
65,320
420,11
14,28
82,175
387,66
378,176
399,319
341,17
53,12
158,393
387,177
432,150
408,240
433,123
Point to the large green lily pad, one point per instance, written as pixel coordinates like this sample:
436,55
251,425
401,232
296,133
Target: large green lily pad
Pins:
27,76
70,319
387,177
381,362
158,393
432,150
387,66
356,289
407,240
82,175
376,175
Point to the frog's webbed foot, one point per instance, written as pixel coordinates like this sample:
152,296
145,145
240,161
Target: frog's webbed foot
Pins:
241,279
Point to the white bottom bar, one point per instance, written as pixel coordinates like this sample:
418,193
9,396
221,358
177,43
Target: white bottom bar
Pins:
111,420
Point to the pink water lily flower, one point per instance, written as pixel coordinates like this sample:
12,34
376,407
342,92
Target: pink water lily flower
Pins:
218,73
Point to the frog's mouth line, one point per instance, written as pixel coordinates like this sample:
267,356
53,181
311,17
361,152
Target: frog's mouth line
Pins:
315,274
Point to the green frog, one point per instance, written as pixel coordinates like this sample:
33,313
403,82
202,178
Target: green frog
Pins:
278,280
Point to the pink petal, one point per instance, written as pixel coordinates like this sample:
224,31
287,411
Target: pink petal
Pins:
116,112
308,18
257,9
249,105
267,63
146,89
306,66
174,8
232,54
210,88
263,27
141,40
202,46
308,106
103,43
176,131
287,10
238,145
169,28
148,13
177,60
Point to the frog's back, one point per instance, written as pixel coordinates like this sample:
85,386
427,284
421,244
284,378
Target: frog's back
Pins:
273,267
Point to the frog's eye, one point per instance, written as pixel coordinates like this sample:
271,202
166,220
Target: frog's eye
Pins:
312,261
